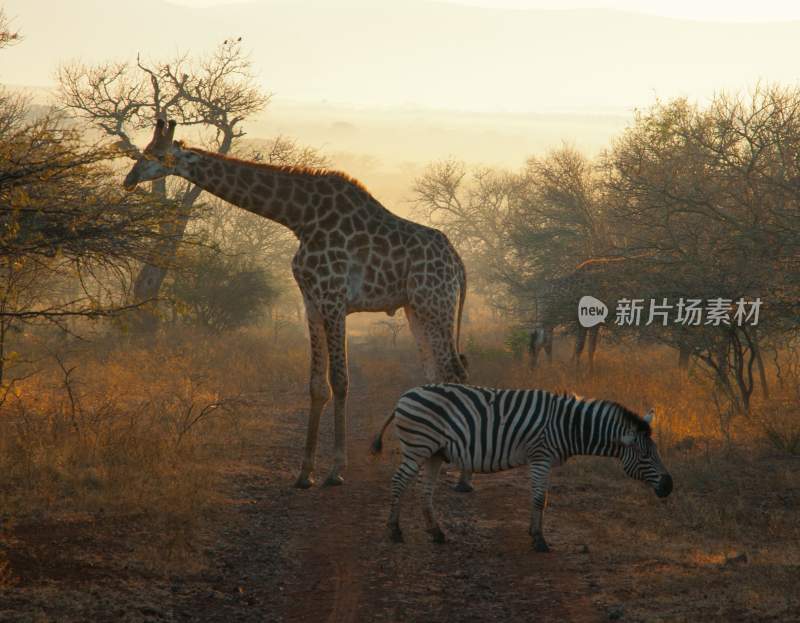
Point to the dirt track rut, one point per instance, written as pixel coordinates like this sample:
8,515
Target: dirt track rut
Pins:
323,554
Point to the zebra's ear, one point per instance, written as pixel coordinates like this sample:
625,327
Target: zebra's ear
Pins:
628,438
648,417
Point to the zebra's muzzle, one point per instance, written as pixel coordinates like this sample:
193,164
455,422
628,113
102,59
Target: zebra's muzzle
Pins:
664,487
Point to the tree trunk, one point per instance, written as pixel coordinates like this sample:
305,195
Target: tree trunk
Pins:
684,352
148,282
762,373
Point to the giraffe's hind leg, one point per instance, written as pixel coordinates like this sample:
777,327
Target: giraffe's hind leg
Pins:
432,467
594,333
580,343
406,474
424,349
435,323
450,370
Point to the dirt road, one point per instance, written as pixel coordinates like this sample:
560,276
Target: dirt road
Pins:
323,554
276,553
265,551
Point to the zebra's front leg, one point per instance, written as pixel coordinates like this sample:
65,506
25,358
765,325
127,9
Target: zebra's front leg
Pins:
404,475
432,468
540,472
464,484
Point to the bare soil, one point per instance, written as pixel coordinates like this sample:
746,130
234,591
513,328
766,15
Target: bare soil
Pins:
275,553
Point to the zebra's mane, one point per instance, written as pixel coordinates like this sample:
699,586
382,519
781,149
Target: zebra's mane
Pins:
633,418
626,414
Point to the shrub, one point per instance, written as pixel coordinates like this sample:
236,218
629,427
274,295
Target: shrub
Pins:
221,292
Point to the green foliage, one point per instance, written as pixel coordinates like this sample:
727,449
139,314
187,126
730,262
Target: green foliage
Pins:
516,340
220,292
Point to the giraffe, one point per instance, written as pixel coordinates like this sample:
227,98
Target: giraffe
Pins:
354,255
556,305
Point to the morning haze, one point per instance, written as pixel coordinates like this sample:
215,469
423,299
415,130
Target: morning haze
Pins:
384,87
210,324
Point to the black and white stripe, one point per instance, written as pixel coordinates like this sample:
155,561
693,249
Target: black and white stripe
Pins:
488,430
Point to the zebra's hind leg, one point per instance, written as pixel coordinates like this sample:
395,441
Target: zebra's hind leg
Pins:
405,474
540,472
432,467
464,484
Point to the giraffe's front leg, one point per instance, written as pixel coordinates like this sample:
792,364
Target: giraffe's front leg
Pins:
320,395
335,328
539,471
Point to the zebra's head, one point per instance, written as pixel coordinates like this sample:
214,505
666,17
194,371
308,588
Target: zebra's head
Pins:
640,458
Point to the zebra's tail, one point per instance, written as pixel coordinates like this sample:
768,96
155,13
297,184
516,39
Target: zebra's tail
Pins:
377,444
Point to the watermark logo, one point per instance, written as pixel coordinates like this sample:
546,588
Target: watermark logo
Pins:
591,311
688,312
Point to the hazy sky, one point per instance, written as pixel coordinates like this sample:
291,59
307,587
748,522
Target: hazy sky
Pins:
471,55
706,10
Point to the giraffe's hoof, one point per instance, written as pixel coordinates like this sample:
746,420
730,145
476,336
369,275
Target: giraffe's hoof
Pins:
334,480
396,535
438,535
463,487
304,482
539,544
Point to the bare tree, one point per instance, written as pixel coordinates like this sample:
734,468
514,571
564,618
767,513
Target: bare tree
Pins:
473,209
216,93
393,327
8,36
705,203
517,230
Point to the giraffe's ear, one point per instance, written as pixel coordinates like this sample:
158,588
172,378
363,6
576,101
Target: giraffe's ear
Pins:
648,417
124,147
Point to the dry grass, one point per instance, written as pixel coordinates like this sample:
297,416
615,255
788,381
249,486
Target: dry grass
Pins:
139,431
142,435
725,544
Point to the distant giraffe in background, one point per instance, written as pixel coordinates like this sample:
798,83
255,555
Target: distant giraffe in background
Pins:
557,305
354,255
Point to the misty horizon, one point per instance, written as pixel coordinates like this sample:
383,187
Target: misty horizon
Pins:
430,56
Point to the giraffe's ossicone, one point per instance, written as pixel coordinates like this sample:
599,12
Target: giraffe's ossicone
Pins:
354,255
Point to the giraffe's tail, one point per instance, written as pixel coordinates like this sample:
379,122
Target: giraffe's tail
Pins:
462,295
377,443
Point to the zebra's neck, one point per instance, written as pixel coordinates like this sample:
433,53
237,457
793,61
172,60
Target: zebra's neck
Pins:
588,427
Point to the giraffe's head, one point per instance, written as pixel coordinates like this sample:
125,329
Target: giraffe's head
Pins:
640,458
157,159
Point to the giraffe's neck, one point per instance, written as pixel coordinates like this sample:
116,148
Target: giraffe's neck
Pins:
276,193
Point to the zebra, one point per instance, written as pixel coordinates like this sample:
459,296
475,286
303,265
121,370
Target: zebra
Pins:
489,430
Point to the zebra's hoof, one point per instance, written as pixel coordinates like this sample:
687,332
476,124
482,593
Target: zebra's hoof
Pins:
539,544
463,487
334,480
438,535
304,482
396,535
